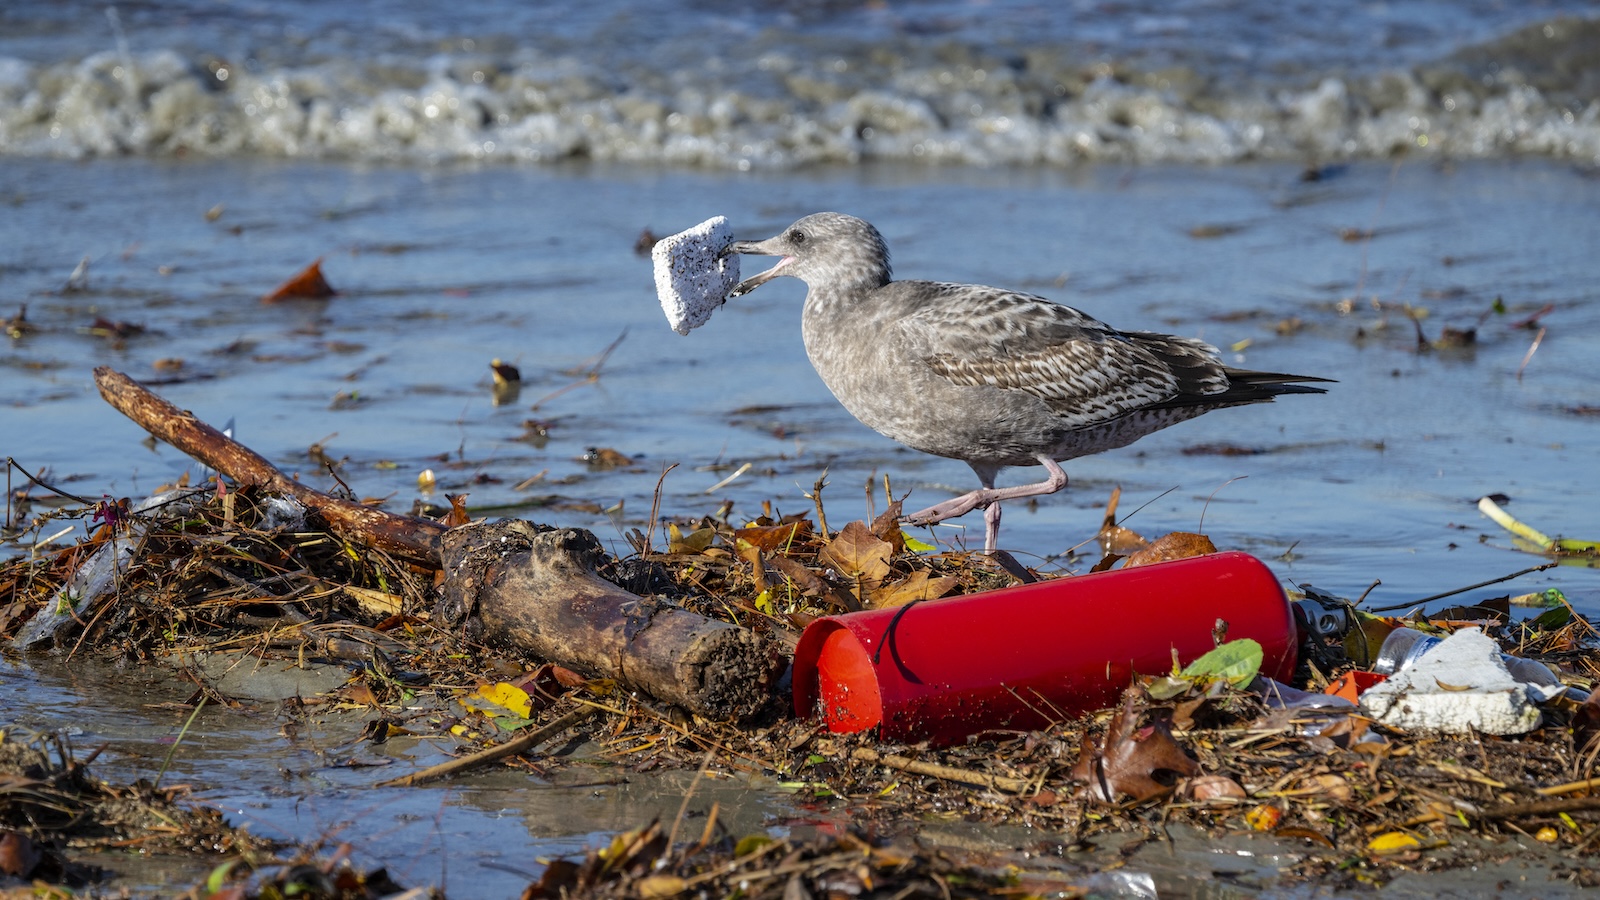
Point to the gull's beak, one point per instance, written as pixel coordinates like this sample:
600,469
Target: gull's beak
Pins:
757,248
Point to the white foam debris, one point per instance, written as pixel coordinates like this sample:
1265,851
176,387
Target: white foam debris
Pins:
1460,685
693,277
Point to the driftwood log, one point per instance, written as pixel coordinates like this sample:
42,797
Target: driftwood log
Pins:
535,587
512,582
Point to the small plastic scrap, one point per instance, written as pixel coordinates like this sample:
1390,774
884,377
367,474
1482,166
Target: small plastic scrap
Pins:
95,578
1459,685
693,276
1351,685
283,512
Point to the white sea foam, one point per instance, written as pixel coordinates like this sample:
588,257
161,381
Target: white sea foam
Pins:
772,106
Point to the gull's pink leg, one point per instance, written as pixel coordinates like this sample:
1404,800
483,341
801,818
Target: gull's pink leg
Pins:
989,498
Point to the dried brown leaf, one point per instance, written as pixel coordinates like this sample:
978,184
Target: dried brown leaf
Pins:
752,554
1176,545
18,854
458,514
1137,762
1586,723
773,538
1214,787
803,578
308,284
860,556
887,527
915,588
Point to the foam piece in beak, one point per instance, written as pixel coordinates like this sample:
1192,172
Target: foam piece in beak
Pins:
693,277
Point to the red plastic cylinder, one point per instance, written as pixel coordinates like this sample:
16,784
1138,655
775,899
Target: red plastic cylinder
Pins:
1021,658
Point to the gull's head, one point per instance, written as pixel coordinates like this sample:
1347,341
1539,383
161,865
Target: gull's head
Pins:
826,248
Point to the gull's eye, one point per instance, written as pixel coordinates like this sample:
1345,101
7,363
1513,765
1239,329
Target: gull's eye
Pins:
797,236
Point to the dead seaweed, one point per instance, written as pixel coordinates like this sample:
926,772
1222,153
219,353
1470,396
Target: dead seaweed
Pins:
230,572
51,807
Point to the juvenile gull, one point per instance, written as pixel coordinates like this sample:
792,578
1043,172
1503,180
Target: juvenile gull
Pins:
993,377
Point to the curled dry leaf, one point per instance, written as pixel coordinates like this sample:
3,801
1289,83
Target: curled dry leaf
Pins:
1137,762
887,527
1327,786
18,854
774,538
691,542
1213,787
307,285
1115,540
1177,545
915,588
860,556
1264,817
458,514
805,580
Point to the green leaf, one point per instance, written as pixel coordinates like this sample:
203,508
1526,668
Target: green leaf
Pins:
915,545
1552,619
219,877
1168,686
1237,661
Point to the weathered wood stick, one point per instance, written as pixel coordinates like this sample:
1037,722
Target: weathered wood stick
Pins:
518,744
405,537
512,582
938,770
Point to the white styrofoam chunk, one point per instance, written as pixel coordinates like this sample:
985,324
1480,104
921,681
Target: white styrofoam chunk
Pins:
693,277
1458,686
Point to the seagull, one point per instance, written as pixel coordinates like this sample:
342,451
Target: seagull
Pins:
990,376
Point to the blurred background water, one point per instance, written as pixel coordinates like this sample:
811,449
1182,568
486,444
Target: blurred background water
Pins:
1308,186
784,84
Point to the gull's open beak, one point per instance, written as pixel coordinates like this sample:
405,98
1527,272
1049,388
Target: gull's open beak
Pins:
757,248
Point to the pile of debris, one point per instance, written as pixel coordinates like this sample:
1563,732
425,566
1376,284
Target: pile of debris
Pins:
680,656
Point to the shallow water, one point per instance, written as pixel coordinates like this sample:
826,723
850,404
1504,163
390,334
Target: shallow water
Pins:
308,779
442,269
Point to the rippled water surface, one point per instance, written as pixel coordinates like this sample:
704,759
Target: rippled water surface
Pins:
441,271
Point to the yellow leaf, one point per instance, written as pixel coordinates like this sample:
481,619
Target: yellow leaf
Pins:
750,844
375,603
1264,817
694,542
652,887
499,699
1393,842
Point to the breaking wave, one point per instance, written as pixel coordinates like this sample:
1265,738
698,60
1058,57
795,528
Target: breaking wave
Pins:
779,103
